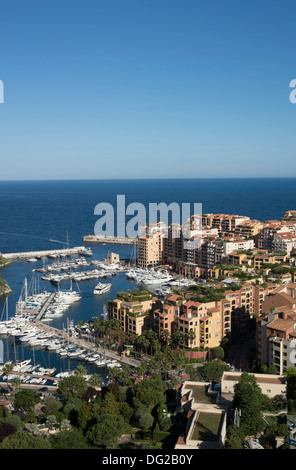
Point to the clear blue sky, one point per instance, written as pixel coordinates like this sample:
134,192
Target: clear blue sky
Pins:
147,88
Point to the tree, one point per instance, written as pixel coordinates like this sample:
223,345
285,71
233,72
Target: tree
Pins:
51,405
90,394
150,391
6,429
16,382
248,398
144,418
71,439
213,371
86,416
191,338
26,400
106,431
96,380
24,440
51,421
165,336
7,369
72,386
217,352
80,371
110,405
234,437
114,388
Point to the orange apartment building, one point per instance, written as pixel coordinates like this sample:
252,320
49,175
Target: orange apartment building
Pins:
133,316
150,250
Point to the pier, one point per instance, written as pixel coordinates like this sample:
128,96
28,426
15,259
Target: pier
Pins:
43,253
45,306
106,239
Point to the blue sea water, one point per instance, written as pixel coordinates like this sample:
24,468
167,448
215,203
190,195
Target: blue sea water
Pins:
33,213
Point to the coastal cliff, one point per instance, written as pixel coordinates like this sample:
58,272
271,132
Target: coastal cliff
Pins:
4,287
3,261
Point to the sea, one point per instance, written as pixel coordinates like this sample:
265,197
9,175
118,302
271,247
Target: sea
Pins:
50,215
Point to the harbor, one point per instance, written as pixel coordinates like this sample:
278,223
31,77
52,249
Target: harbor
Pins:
40,323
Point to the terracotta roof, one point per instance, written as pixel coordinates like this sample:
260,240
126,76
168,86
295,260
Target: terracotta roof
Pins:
4,403
173,297
281,325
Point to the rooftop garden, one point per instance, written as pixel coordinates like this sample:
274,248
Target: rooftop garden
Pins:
135,296
209,294
207,427
199,393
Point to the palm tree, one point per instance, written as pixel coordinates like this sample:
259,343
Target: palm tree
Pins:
191,338
96,380
65,424
125,374
16,382
80,323
178,338
80,371
7,369
165,335
51,421
144,342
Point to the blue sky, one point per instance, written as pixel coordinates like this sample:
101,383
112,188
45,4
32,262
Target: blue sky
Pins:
147,88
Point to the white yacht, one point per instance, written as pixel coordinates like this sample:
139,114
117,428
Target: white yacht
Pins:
101,288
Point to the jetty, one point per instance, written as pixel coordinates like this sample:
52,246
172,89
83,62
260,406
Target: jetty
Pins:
107,239
45,307
44,253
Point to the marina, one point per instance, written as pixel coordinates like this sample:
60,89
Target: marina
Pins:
40,322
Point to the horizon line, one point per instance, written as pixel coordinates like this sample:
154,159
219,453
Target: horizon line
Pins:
154,178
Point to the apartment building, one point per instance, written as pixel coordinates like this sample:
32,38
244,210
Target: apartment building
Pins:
173,244
150,250
164,320
225,223
210,253
259,294
276,328
248,228
132,312
232,244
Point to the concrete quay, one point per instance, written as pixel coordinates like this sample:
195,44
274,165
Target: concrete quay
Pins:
44,253
105,239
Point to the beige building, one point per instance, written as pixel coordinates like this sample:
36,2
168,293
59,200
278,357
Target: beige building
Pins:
150,249
271,385
248,228
134,315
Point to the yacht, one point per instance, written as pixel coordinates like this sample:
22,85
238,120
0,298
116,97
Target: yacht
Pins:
101,288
